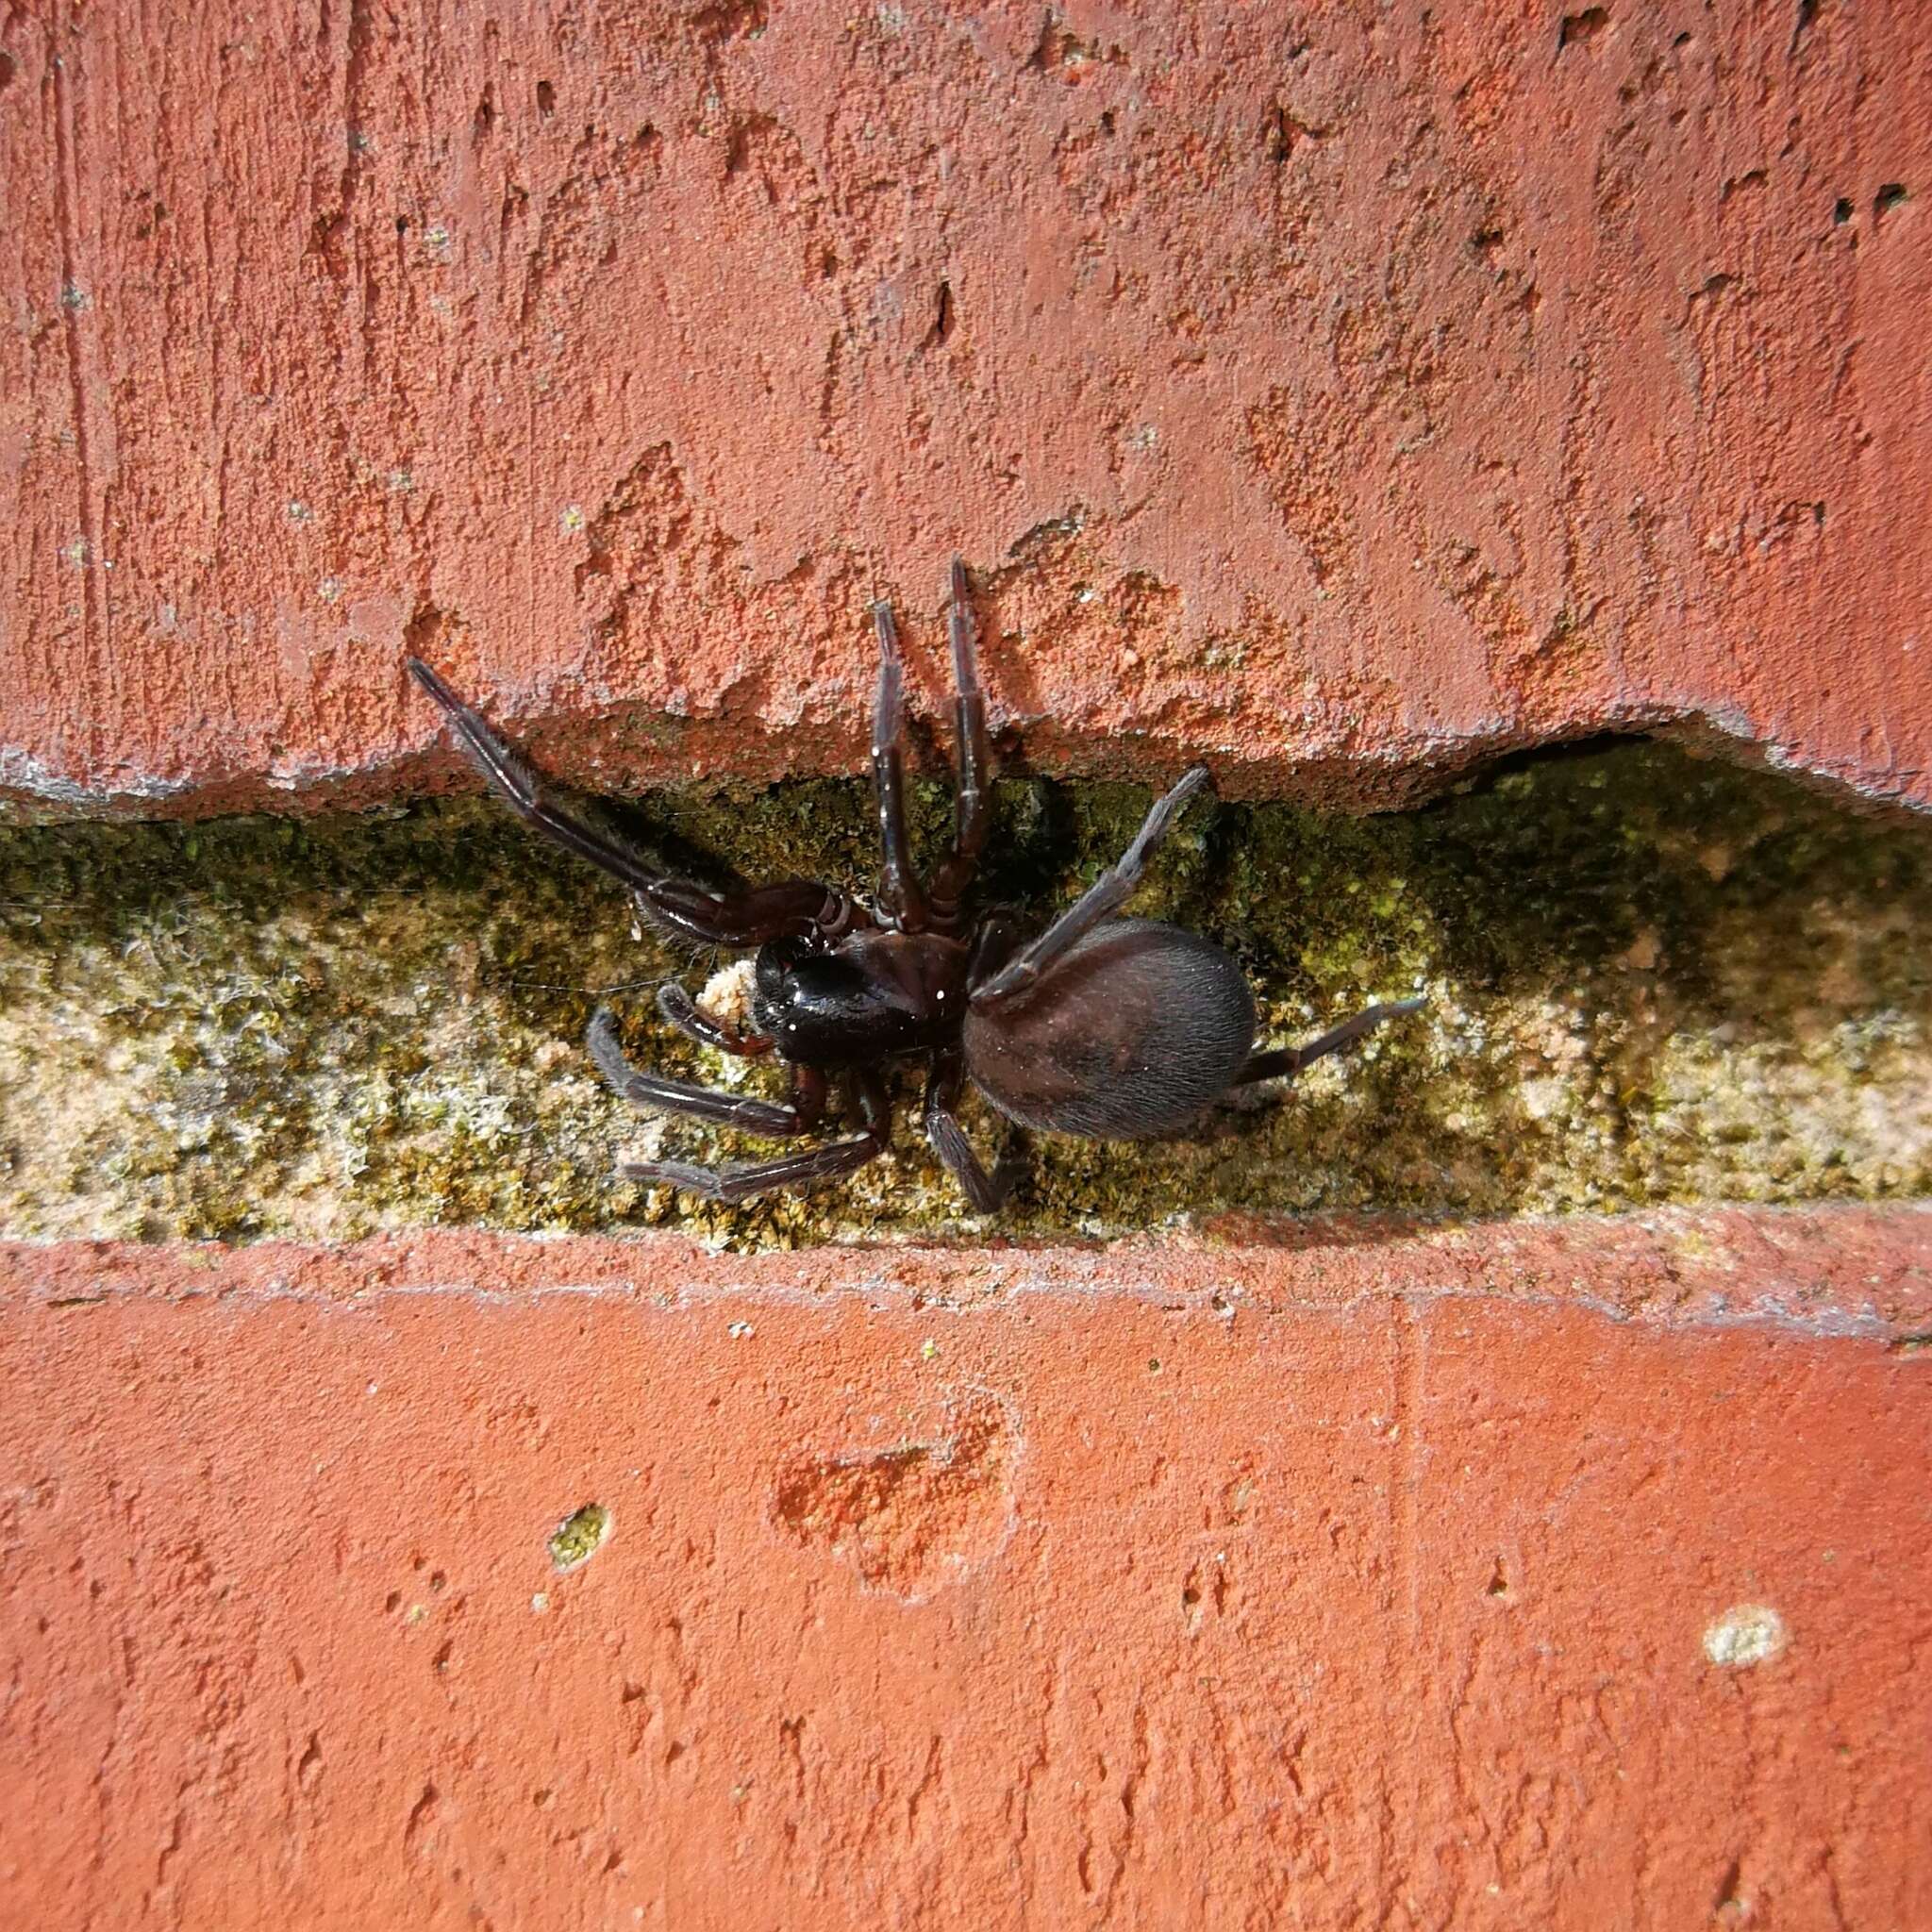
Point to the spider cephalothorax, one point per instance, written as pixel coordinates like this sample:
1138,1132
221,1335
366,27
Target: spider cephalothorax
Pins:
1106,1027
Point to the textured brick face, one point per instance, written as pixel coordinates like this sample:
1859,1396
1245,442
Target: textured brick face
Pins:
1187,1590
1326,388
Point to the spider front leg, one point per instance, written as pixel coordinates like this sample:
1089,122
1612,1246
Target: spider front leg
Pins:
534,798
901,901
971,802
747,916
742,1182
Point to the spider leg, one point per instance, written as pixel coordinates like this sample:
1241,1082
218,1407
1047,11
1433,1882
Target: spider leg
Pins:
996,938
971,817
900,898
691,1020
984,1191
1285,1062
741,1183
1111,890
527,791
739,920
655,1093
743,918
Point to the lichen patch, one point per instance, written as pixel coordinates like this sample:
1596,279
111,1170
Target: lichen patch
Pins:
579,1537
1746,1634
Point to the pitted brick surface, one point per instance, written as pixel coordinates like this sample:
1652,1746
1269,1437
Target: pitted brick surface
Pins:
1367,1581
1342,394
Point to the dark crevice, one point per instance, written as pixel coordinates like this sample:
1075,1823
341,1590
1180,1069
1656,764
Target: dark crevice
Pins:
942,321
1654,979
1578,28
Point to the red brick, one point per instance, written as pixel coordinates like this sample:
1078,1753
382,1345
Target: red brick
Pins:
1421,382
1352,1582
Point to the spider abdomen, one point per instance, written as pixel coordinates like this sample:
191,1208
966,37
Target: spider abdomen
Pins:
1133,1033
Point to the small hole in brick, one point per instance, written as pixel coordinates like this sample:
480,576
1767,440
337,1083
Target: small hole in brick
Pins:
1841,212
580,1536
1586,25
1889,197
1730,1887
546,97
943,318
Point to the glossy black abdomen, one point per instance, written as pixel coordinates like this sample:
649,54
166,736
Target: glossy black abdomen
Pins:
1133,1033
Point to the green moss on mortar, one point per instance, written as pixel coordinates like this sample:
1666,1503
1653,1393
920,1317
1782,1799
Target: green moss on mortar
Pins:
1652,979
580,1536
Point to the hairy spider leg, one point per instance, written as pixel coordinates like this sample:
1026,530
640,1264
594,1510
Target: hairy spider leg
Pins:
901,902
944,1076
1109,892
1285,1062
971,802
793,909
655,1094
731,1185
984,1190
691,1018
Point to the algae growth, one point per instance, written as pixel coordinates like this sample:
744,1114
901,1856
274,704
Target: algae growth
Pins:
1652,979
579,1537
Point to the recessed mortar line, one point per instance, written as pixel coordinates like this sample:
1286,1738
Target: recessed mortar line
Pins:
1327,767
1654,981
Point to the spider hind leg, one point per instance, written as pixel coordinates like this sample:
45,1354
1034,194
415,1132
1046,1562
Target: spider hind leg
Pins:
744,1181
1285,1062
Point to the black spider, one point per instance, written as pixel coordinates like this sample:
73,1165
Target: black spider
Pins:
1108,1028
